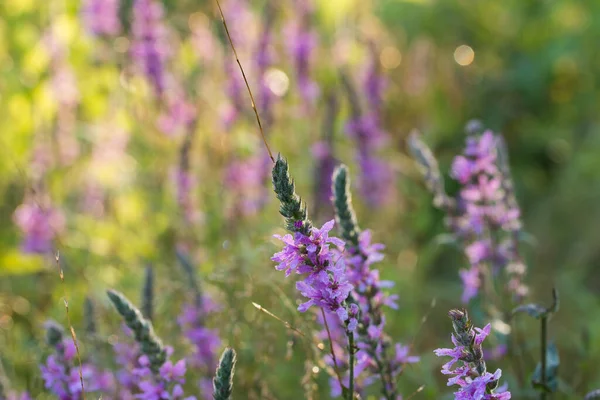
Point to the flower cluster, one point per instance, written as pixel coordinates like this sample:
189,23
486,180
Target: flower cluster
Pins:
178,117
205,341
483,212
484,216
475,382
245,179
167,384
303,40
60,374
101,17
373,359
325,283
365,128
264,59
149,48
39,224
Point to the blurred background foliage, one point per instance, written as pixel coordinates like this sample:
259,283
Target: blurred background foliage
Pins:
527,68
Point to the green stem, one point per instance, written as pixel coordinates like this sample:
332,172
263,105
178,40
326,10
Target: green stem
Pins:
351,351
544,339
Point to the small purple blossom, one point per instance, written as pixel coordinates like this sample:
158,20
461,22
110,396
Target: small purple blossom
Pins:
178,117
302,40
61,374
325,283
485,204
373,344
206,341
469,371
245,180
149,47
101,17
39,225
375,178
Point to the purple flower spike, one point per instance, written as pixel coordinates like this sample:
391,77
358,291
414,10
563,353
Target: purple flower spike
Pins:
484,217
149,47
40,225
303,40
325,282
471,374
101,17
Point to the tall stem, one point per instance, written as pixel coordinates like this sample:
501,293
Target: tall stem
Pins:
351,366
333,357
544,338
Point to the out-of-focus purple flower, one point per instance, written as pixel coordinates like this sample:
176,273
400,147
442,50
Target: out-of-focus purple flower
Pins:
485,204
137,381
39,225
101,17
375,180
302,40
62,377
323,154
149,47
178,117
63,83
374,83
206,341
264,58
166,385
325,283
242,25
245,180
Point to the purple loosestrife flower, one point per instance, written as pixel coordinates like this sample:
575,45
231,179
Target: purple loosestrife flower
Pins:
484,213
365,129
264,57
470,374
63,83
374,361
374,83
308,253
184,179
205,341
178,118
245,181
242,25
39,224
149,47
166,385
126,357
484,216
101,17
323,152
302,40
325,284
60,374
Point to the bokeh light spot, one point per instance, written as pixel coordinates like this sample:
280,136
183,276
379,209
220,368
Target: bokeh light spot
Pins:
464,55
390,57
277,81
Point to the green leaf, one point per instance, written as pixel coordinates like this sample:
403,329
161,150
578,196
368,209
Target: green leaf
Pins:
538,311
534,310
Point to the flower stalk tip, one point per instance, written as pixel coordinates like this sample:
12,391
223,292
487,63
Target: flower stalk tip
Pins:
223,381
292,207
142,329
342,201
